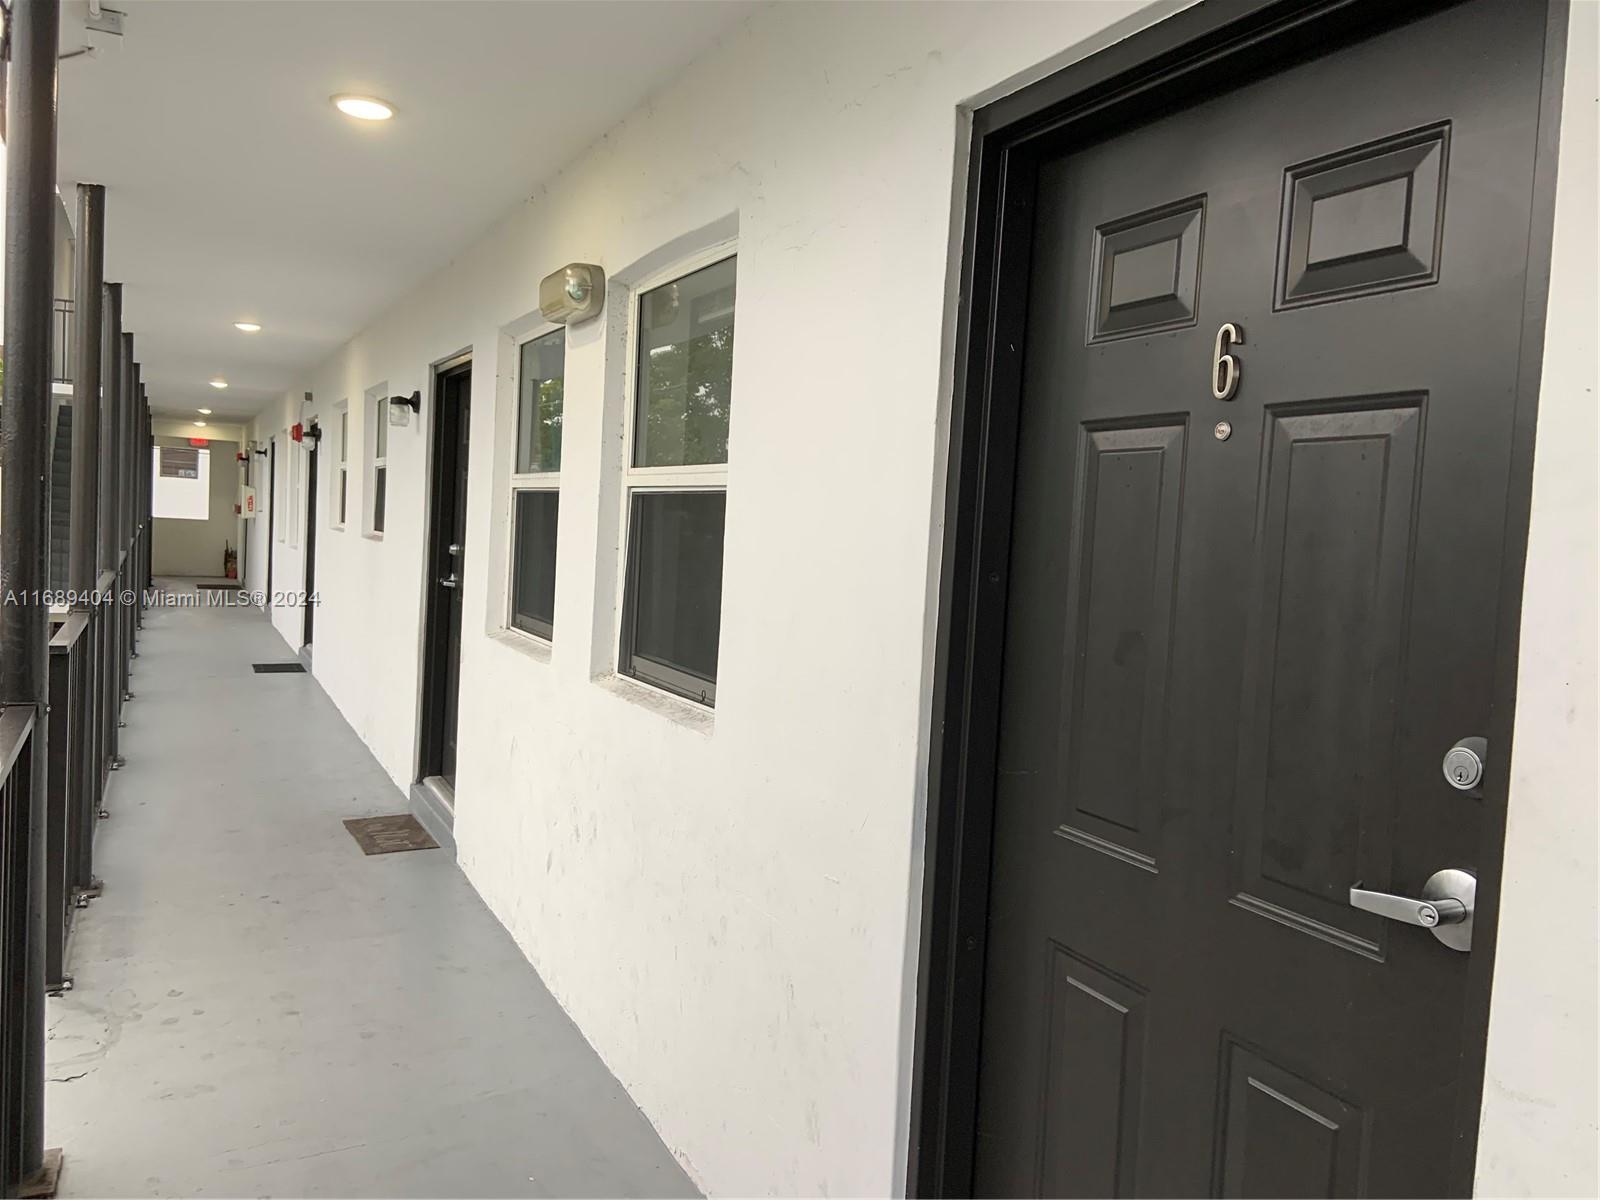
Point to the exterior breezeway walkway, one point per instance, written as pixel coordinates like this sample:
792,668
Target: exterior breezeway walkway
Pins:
261,1010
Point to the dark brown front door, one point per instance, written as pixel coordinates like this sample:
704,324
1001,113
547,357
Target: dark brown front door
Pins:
308,599
447,561
1242,633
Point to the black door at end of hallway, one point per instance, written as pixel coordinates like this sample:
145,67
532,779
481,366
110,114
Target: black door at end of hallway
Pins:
441,691
272,512
307,599
1265,444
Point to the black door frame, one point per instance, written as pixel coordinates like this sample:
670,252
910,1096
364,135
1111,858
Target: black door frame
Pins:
430,746
313,435
1210,48
272,513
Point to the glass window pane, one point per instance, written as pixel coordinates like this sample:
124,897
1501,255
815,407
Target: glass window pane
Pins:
533,568
381,408
684,385
379,486
344,492
674,601
539,386
344,436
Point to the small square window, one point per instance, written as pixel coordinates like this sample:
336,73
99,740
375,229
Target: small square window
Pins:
685,370
541,376
375,443
342,485
673,618
533,562
380,489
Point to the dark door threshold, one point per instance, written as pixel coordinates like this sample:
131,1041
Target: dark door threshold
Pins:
433,802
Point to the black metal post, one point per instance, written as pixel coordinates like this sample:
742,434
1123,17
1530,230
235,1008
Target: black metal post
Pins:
130,383
83,569
135,390
148,476
84,557
106,648
130,389
110,390
140,458
146,468
25,538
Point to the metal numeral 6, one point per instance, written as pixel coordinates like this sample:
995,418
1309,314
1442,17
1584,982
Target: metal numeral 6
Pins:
1225,367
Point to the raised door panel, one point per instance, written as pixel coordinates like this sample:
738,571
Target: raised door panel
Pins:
1317,796
1283,1135
1124,546
1365,220
1089,1122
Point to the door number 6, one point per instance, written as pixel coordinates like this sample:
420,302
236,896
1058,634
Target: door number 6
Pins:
1225,367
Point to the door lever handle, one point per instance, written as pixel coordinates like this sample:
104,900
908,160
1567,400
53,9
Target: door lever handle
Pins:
1445,906
1426,913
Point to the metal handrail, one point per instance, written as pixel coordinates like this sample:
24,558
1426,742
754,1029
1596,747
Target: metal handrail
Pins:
16,727
67,632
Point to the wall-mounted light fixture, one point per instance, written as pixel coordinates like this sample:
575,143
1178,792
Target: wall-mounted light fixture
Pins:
574,293
401,408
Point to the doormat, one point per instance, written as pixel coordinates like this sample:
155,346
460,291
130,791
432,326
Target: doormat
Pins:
278,668
216,587
387,835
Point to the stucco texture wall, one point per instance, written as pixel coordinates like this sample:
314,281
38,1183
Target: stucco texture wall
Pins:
1540,1124
725,908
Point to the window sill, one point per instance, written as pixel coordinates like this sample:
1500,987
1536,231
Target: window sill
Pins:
687,713
373,535
523,643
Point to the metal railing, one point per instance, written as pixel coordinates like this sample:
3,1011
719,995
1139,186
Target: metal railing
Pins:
66,673
17,941
61,345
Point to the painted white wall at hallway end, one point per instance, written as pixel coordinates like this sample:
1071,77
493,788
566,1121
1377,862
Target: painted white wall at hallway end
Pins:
1540,1125
727,913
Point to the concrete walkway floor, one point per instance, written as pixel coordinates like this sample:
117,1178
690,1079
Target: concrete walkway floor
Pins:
261,1010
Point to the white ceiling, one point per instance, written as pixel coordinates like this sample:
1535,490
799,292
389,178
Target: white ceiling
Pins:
235,191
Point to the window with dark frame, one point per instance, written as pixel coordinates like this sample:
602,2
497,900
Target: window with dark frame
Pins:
677,482
378,410
536,483
341,508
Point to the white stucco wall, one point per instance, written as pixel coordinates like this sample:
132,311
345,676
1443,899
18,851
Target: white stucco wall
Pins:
727,908
1539,1134
723,911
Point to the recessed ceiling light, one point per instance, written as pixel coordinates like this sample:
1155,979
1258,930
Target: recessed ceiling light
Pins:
200,424
219,383
204,412
364,108
247,327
